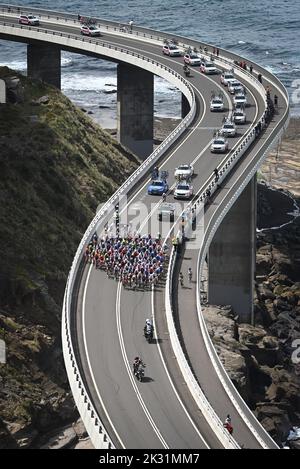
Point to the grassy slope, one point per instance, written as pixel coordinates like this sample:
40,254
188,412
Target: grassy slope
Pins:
53,174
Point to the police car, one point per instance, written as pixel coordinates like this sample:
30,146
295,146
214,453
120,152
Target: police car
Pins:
235,87
172,50
239,116
228,129
191,59
208,68
90,30
184,171
240,98
29,19
158,187
183,190
227,77
219,145
217,103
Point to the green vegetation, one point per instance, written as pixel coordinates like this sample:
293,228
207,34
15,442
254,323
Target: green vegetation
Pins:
56,166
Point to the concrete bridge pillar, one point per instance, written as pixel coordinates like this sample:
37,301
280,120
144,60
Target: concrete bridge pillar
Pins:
232,255
43,63
135,109
185,106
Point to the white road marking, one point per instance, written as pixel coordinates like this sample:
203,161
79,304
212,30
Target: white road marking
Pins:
88,359
129,370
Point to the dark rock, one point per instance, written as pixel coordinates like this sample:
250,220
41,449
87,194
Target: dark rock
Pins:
43,100
109,91
63,439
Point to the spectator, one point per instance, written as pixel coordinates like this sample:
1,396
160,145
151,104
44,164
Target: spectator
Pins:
131,24
251,69
216,171
218,52
275,100
259,77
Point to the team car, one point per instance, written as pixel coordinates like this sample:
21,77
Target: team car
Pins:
240,98
217,103
235,87
228,129
191,59
166,211
227,77
239,116
208,68
172,50
29,19
183,190
219,145
158,187
90,30
184,171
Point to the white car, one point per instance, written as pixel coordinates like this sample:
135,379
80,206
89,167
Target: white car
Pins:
228,129
90,30
240,98
184,171
183,190
217,104
29,19
208,68
239,116
219,145
172,50
192,59
235,87
226,78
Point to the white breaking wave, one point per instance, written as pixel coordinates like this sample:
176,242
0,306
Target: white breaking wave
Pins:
17,65
82,82
100,83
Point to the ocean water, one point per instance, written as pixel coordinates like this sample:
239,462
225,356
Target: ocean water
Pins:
267,32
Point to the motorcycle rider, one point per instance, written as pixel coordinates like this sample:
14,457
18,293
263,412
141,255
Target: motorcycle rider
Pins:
148,329
137,362
186,70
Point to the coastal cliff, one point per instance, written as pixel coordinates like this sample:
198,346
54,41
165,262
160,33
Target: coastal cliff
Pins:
56,166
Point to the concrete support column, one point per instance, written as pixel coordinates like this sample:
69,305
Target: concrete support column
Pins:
185,106
135,109
232,253
43,63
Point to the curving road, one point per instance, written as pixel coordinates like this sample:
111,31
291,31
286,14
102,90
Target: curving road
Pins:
108,320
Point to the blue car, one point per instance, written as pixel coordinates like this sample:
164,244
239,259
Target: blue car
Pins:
158,187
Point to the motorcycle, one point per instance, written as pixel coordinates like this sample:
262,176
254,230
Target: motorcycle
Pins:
140,373
148,334
187,72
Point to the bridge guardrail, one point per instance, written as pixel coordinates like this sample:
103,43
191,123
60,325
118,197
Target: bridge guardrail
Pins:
211,186
202,402
84,403
266,441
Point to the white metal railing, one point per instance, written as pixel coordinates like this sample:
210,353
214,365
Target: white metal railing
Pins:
96,430
202,402
90,417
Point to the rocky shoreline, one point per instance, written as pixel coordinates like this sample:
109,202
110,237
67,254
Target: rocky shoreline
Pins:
263,361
